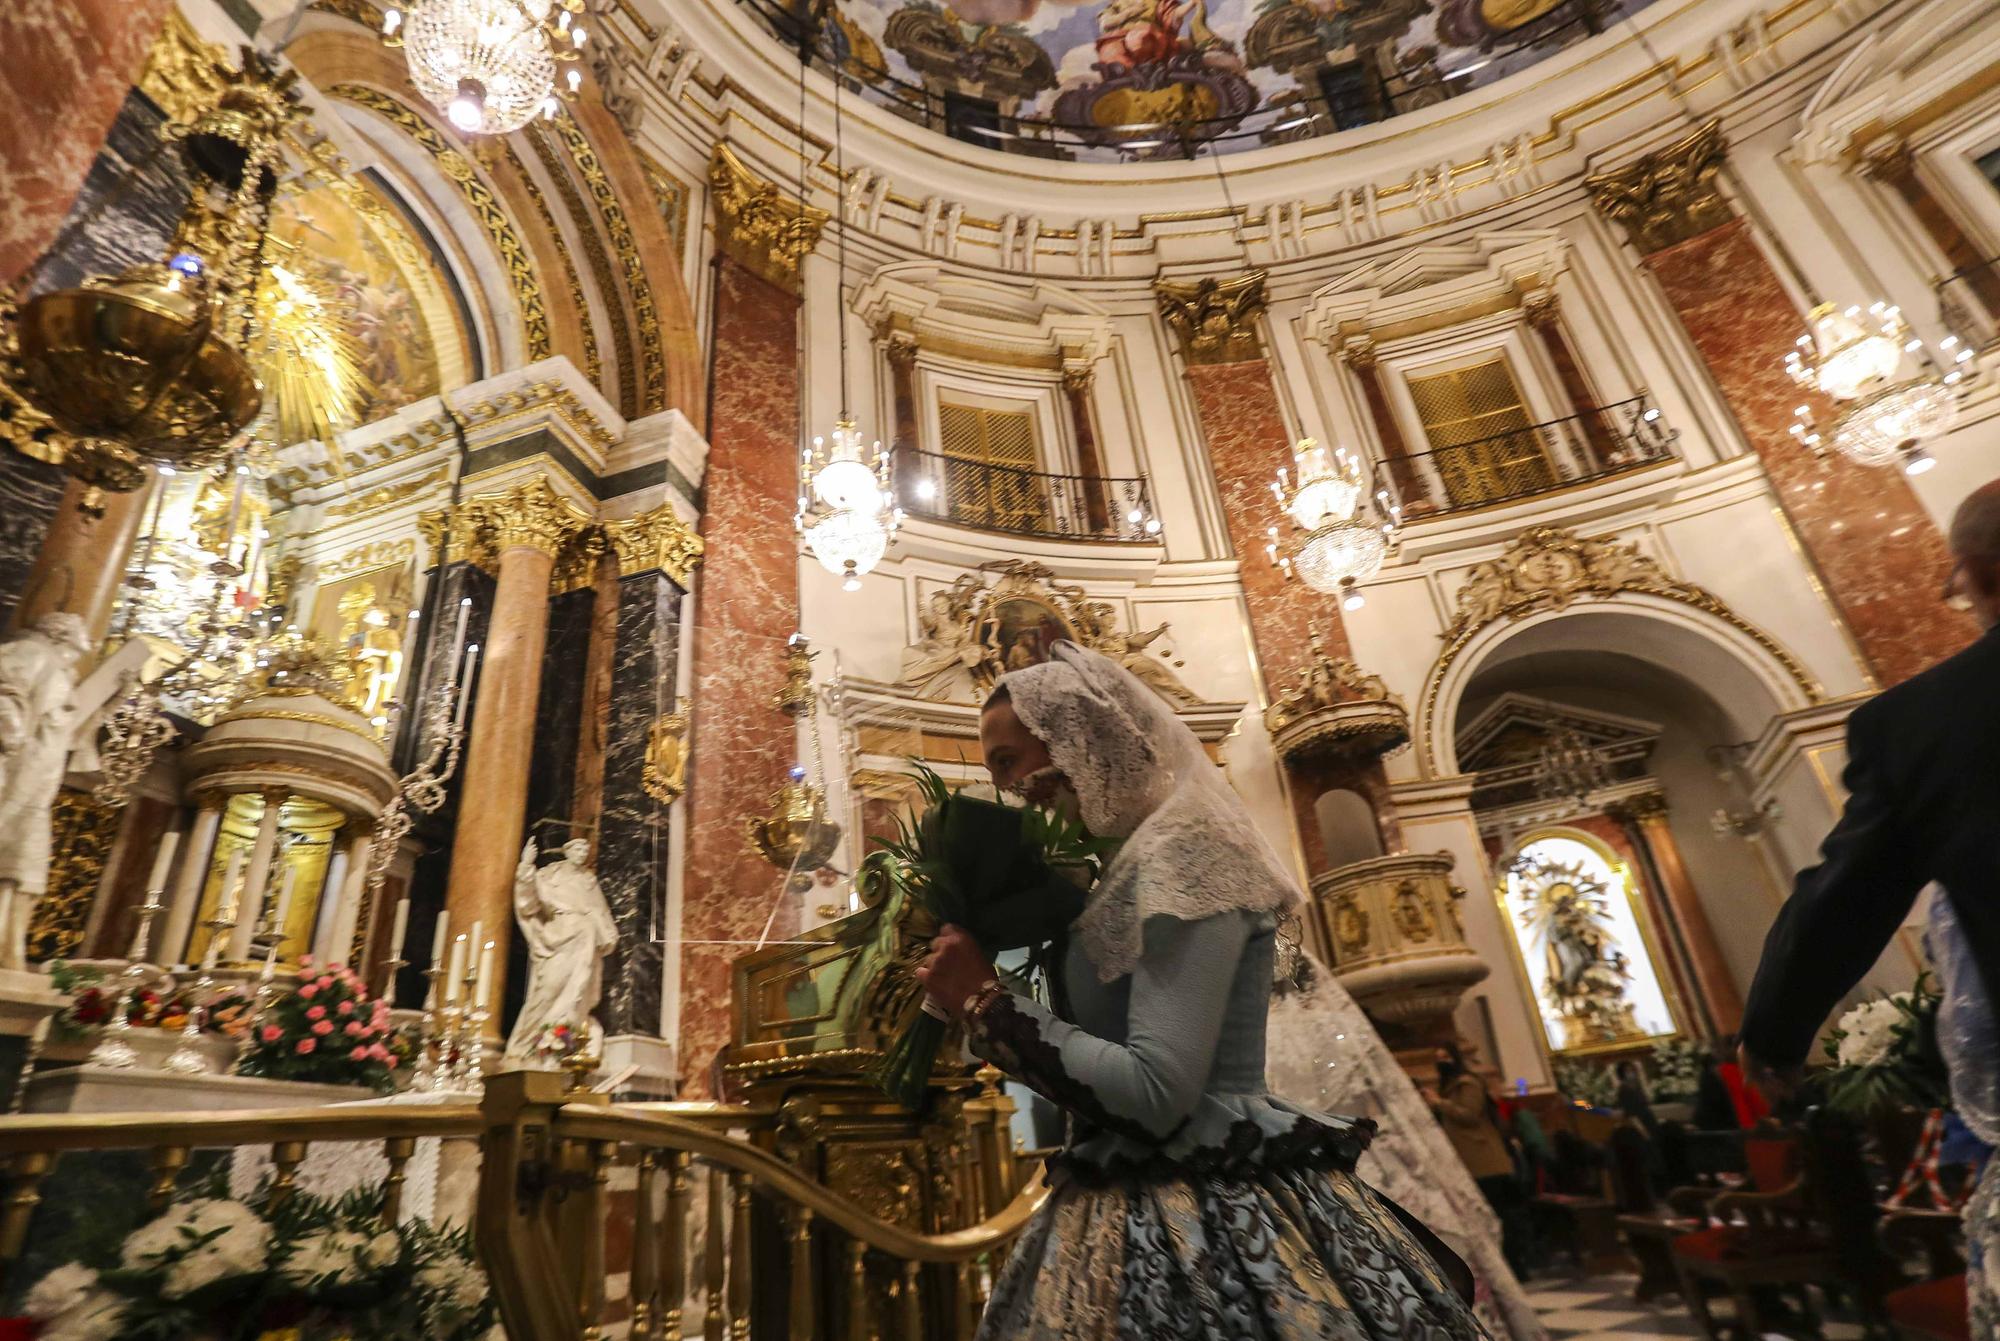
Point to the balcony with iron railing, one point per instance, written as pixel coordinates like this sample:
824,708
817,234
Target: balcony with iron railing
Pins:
1597,444
1011,499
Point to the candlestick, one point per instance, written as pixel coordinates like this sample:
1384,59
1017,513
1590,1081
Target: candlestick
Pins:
425,1077
484,984
437,941
400,930
163,860
456,970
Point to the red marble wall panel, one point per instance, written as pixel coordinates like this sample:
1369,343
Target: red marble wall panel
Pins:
64,68
1877,552
746,608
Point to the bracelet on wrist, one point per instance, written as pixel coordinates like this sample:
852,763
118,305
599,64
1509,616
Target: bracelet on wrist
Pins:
981,998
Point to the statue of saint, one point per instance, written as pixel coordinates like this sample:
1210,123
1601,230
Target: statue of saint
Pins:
569,930
38,674
378,660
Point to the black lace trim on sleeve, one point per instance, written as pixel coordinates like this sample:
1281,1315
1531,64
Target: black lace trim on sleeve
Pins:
1010,1039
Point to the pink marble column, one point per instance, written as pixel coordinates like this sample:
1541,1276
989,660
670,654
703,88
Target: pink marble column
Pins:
746,609
65,66
1881,558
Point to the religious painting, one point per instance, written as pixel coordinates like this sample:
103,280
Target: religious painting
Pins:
1583,946
366,615
1139,79
1016,632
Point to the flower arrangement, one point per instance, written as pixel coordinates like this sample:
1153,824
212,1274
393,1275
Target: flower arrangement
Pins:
1585,1083
328,1030
315,1268
1013,877
1884,1054
1676,1070
557,1042
93,1000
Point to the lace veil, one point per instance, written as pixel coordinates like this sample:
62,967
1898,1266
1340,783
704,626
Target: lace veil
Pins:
1191,848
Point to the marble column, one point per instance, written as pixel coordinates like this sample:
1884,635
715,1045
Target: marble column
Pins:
1896,168
1645,820
196,855
1878,555
527,526
64,70
1411,488
1600,435
256,876
901,349
586,806
81,566
1077,383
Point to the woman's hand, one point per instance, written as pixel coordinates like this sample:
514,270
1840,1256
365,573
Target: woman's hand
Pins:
955,968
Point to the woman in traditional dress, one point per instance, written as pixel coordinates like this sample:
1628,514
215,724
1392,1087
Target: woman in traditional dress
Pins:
1188,1201
1323,1052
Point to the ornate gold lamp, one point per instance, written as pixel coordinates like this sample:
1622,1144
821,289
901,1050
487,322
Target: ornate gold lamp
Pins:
149,365
795,835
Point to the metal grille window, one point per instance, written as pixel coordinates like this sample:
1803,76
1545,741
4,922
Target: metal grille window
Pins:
990,465
1481,435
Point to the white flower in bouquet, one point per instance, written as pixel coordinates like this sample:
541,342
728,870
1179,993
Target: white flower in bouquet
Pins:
458,1285
382,1250
70,1306
1868,1032
199,1243
332,1255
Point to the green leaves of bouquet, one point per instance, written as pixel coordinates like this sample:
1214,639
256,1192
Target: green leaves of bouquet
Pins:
1015,878
1885,1054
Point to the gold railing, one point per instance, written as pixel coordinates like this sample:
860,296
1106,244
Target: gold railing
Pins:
544,1202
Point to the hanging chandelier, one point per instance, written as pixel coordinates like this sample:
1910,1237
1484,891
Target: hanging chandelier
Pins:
1337,548
489,65
1854,358
846,512
1571,768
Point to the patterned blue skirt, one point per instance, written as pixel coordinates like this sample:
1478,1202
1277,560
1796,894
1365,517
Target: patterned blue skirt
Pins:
1260,1232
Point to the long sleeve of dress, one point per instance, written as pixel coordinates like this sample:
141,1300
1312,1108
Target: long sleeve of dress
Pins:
1146,1086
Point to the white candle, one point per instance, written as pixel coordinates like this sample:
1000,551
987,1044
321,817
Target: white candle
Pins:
284,899
455,971
465,689
226,902
163,862
250,561
472,952
402,926
458,634
485,977
437,941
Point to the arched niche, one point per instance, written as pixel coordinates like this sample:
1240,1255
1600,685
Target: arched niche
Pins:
1347,826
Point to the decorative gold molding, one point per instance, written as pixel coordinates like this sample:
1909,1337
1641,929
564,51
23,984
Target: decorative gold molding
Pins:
671,194
1551,568
1336,708
645,312
593,251
530,515
1543,307
1215,320
1670,195
381,554
657,539
486,207
184,74
388,495
756,225
82,831
664,776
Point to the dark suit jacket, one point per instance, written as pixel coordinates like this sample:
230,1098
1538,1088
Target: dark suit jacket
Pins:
1923,781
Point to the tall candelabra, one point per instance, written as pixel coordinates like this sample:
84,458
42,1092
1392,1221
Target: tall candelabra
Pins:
114,1049
427,1076
188,1059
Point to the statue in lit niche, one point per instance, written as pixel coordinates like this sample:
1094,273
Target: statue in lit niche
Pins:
38,674
569,930
1584,974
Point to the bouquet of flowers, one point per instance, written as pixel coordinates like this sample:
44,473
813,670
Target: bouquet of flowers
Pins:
315,1268
1676,1070
328,1030
93,1001
1885,1054
1015,878
557,1042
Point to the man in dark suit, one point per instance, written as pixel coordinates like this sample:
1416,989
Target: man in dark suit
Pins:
1923,804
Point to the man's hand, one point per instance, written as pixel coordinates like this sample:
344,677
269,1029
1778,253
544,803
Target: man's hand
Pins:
1775,1084
954,970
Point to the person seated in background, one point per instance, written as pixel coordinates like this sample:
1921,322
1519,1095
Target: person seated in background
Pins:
1714,1106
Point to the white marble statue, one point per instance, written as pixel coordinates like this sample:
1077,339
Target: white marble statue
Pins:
569,930
38,673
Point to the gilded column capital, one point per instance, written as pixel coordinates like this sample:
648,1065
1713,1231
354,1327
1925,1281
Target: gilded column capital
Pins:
901,347
1891,160
1359,353
1215,319
657,539
1078,378
1542,307
531,516
756,226
1638,809
1670,195
211,798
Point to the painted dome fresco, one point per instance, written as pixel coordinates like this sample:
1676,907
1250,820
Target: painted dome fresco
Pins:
1112,80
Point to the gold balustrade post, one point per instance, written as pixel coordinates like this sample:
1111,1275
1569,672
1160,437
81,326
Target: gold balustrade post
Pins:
590,1274
714,1321
801,1319
24,1192
857,1290
398,1150
286,1156
676,1247
739,1257
913,1304
645,1248
963,1307
168,1161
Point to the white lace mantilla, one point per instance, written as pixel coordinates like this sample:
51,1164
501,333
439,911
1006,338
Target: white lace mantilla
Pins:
1191,848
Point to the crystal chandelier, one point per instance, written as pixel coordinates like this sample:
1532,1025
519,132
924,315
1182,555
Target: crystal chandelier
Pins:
1337,549
845,510
489,65
1854,358
1571,767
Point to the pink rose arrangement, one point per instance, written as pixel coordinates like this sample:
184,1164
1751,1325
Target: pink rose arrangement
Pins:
296,1039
